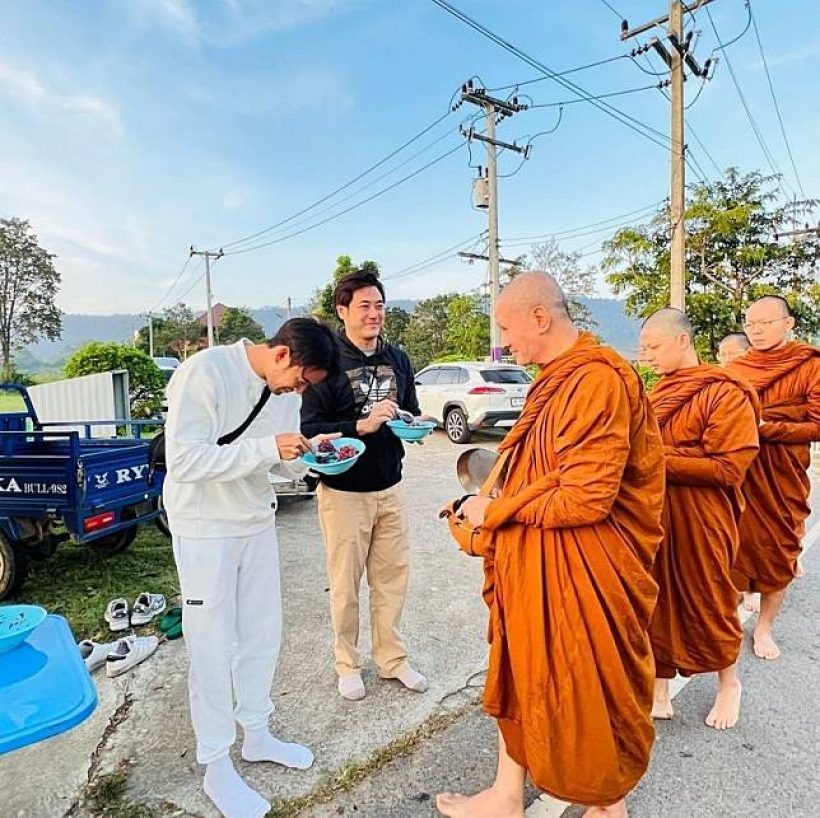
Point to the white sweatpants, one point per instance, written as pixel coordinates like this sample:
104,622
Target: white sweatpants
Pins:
232,623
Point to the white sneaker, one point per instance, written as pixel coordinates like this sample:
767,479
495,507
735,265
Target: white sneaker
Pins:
94,653
146,607
128,653
117,615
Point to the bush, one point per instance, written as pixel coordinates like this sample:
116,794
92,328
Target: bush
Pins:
145,380
648,376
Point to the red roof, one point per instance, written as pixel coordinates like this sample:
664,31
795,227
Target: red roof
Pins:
217,311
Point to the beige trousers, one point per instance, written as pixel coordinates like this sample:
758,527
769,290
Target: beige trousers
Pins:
366,531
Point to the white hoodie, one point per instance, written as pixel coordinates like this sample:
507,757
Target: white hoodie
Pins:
214,491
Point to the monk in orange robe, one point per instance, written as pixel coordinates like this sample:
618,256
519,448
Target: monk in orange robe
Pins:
732,346
786,376
708,422
568,548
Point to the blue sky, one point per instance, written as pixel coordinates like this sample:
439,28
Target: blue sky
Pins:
132,129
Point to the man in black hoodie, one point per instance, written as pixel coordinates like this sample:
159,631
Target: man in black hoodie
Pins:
362,512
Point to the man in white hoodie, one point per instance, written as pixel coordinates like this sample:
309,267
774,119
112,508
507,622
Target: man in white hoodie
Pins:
219,504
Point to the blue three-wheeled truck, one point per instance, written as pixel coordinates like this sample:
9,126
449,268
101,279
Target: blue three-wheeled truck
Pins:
57,485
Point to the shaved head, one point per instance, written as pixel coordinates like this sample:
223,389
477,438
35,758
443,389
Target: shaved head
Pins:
670,321
666,341
534,319
774,301
768,322
536,289
732,346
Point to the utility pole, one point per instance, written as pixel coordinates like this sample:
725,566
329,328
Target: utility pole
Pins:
674,60
208,255
493,108
289,313
151,334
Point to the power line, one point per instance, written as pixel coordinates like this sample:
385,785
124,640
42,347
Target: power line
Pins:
654,86
173,284
631,122
346,185
348,209
443,255
705,150
567,72
755,129
774,100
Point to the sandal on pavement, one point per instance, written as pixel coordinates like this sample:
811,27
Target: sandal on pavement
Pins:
172,618
117,615
128,653
146,607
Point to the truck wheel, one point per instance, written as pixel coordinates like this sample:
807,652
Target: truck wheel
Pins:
161,520
13,567
119,540
455,424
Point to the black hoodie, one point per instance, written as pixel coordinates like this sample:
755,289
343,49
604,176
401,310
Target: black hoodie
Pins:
336,404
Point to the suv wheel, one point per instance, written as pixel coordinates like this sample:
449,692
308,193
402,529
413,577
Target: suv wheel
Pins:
455,424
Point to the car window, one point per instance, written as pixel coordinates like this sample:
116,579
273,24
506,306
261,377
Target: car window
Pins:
505,376
449,375
463,376
427,378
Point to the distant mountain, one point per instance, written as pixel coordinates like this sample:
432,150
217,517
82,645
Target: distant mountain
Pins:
614,327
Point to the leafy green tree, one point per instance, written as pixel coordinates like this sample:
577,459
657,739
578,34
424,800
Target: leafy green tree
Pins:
733,256
425,336
145,380
321,305
238,323
29,283
396,321
176,333
468,328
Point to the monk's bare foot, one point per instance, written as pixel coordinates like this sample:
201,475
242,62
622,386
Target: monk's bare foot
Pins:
751,602
662,702
764,645
615,811
487,804
726,710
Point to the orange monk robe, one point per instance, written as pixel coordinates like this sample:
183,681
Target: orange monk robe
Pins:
777,486
568,552
708,424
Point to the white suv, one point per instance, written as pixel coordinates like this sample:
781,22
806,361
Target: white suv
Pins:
464,397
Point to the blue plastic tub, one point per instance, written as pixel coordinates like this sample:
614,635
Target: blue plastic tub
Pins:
17,622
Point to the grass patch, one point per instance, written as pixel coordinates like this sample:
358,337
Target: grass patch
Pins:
354,772
106,797
77,582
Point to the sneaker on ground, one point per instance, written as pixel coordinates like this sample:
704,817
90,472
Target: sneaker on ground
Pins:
146,607
118,615
128,653
94,653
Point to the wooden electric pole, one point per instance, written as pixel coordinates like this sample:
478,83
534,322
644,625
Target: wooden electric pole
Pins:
208,255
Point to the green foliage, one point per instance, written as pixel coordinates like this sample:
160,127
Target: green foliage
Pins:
732,258
144,377
176,333
236,324
29,283
468,328
425,335
396,321
321,305
648,376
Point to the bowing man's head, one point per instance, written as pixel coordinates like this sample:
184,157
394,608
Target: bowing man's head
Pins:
533,315
732,346
667,341
768,322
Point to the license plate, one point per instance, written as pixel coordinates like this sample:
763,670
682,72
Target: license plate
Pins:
517,403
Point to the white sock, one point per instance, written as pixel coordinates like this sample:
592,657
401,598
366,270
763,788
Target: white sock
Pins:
413,680
260,745
351,687
231,795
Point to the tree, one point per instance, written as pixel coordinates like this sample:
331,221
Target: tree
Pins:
145,381
396,321
565,267
238,323
176,333
425,335
733,256
468,328
321,305
28,288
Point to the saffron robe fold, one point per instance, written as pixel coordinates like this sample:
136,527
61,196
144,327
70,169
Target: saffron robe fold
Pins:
777,486
708,422
568,551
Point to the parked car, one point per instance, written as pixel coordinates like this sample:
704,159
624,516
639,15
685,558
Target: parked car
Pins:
167,366
463,397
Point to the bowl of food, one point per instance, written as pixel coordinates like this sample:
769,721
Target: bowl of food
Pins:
17,622
415,429
334,456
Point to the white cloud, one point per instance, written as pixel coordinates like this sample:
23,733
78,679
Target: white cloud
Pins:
798,55
175,15
27,88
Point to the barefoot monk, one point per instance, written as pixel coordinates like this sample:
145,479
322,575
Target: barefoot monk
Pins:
568,550
786,376
708,422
